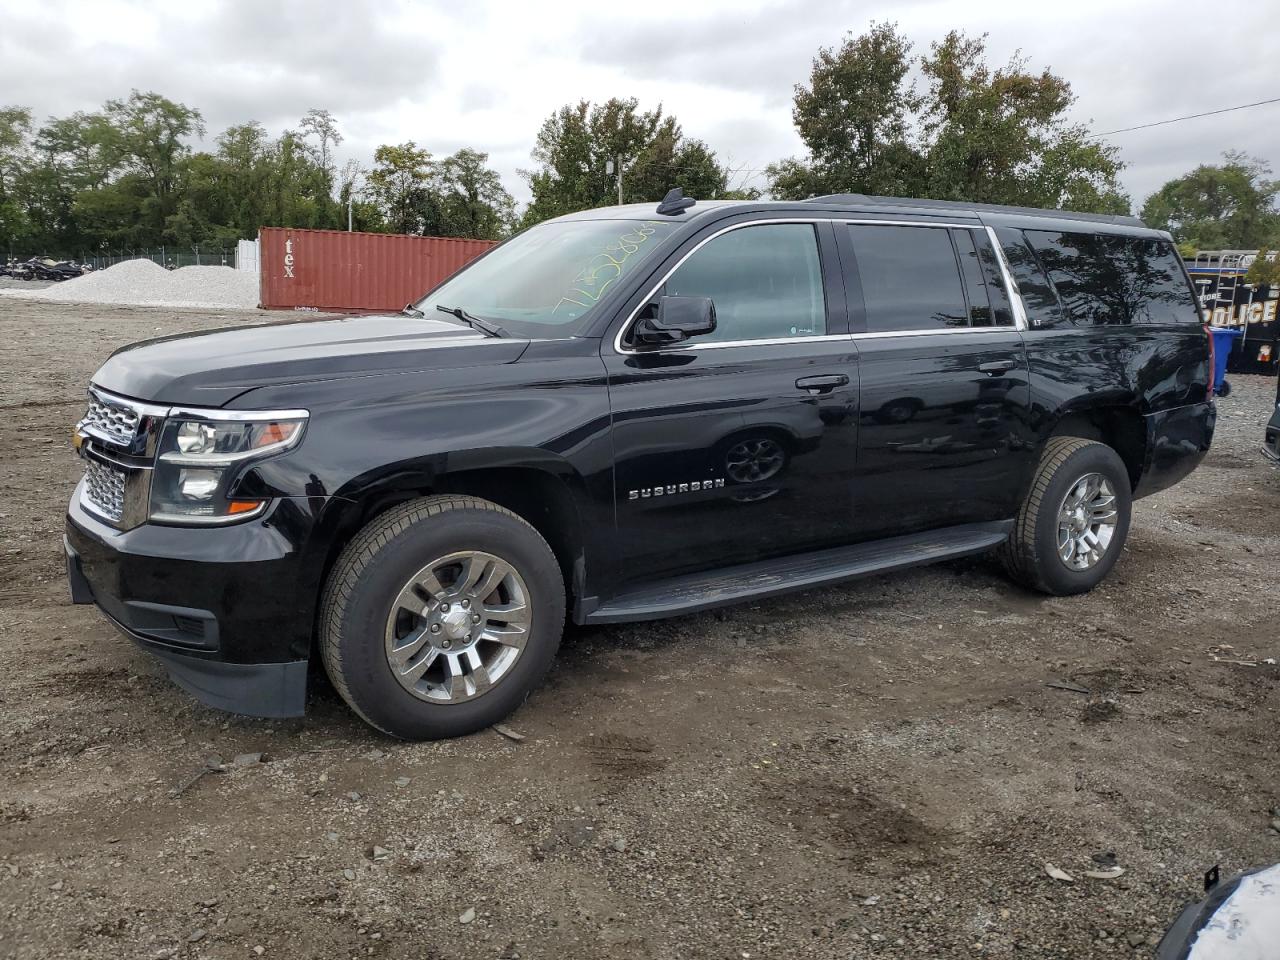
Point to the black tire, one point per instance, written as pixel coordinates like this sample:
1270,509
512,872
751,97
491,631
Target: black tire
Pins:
1031,553
367,578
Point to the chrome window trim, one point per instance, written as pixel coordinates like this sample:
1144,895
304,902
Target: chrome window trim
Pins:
940,332
1015,297
721,344
1010,286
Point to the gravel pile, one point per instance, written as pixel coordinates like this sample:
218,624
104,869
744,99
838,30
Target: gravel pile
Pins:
146,284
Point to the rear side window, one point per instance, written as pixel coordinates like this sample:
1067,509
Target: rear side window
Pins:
1043,309
1104,280
766,282
910,278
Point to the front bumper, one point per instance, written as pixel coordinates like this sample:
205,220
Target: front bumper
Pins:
229,610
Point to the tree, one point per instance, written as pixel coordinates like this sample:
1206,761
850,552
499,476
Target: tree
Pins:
321,125
975,133
1265,270
1227,207
147,136
470,199
399,183
580,145
999,136
853,117
15,149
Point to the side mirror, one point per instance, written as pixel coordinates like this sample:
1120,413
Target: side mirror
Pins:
677,319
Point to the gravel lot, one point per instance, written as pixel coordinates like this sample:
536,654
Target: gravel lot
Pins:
877,770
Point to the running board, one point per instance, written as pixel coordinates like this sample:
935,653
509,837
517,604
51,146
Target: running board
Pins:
771,578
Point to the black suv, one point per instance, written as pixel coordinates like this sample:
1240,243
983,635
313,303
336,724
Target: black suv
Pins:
625,414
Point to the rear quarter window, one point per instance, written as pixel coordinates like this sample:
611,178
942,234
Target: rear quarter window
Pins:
1107,280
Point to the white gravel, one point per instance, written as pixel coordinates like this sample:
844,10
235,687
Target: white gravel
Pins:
146,284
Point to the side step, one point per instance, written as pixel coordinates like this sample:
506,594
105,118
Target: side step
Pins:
771,578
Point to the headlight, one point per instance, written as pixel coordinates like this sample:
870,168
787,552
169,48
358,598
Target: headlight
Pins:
201,452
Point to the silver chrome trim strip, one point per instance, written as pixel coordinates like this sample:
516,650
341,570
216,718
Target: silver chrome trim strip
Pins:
940,332
1011,288
910,223
213,413
143,409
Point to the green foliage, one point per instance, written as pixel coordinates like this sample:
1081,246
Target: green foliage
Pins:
1265,269
459,196
1227,207
975,133
127,177
579,143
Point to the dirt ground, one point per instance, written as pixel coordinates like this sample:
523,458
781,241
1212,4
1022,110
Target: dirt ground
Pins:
874,770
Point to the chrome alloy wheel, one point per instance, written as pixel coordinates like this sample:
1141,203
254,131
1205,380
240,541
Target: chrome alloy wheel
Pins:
750,461
1086,521
458,627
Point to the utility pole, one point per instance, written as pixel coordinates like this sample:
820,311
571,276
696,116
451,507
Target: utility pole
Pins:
350,197
619,162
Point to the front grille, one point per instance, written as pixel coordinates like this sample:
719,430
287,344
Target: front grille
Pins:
104,490
115,422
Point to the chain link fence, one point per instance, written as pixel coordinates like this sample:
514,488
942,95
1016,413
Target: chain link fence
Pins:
165,257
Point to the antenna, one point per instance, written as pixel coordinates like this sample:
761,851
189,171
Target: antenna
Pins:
675,203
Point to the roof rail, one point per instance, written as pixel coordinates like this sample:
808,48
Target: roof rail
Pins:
956,206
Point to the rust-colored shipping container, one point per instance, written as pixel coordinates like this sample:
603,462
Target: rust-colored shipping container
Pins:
333,270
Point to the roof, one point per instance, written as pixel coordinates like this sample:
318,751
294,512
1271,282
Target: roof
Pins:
973,209
900,206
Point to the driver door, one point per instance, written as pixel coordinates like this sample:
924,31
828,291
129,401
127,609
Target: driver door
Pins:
739,444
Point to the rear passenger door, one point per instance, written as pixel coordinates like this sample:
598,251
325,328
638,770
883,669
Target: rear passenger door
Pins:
943,435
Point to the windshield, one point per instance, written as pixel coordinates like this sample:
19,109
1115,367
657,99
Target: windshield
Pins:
545,281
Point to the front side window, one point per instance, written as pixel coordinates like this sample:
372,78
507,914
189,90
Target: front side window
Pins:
910,278
1106,279
765,282
545,281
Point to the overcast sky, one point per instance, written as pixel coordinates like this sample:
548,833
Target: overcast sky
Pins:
485,75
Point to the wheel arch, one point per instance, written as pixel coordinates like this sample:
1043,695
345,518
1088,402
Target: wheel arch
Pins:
540,488
1121,426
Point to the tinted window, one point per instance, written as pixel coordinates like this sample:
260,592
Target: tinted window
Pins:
1103,279
1038,297
975,287
910,278
766,282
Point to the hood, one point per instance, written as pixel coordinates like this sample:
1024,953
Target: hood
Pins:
212,368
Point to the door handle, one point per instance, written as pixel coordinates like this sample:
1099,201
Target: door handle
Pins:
822,384
997,366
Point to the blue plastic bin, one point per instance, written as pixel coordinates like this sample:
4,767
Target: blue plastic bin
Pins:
1223,340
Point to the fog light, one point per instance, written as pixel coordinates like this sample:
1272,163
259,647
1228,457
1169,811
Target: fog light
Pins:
198,484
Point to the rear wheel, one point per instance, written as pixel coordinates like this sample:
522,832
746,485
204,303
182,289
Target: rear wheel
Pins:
441,616
1073,524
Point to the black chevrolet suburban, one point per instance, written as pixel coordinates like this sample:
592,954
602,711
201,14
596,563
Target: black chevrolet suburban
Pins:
625,414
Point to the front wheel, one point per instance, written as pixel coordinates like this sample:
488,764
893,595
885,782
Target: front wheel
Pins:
441,616
1073,524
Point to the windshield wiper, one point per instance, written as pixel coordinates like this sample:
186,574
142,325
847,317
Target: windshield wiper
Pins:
409,310
487,327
